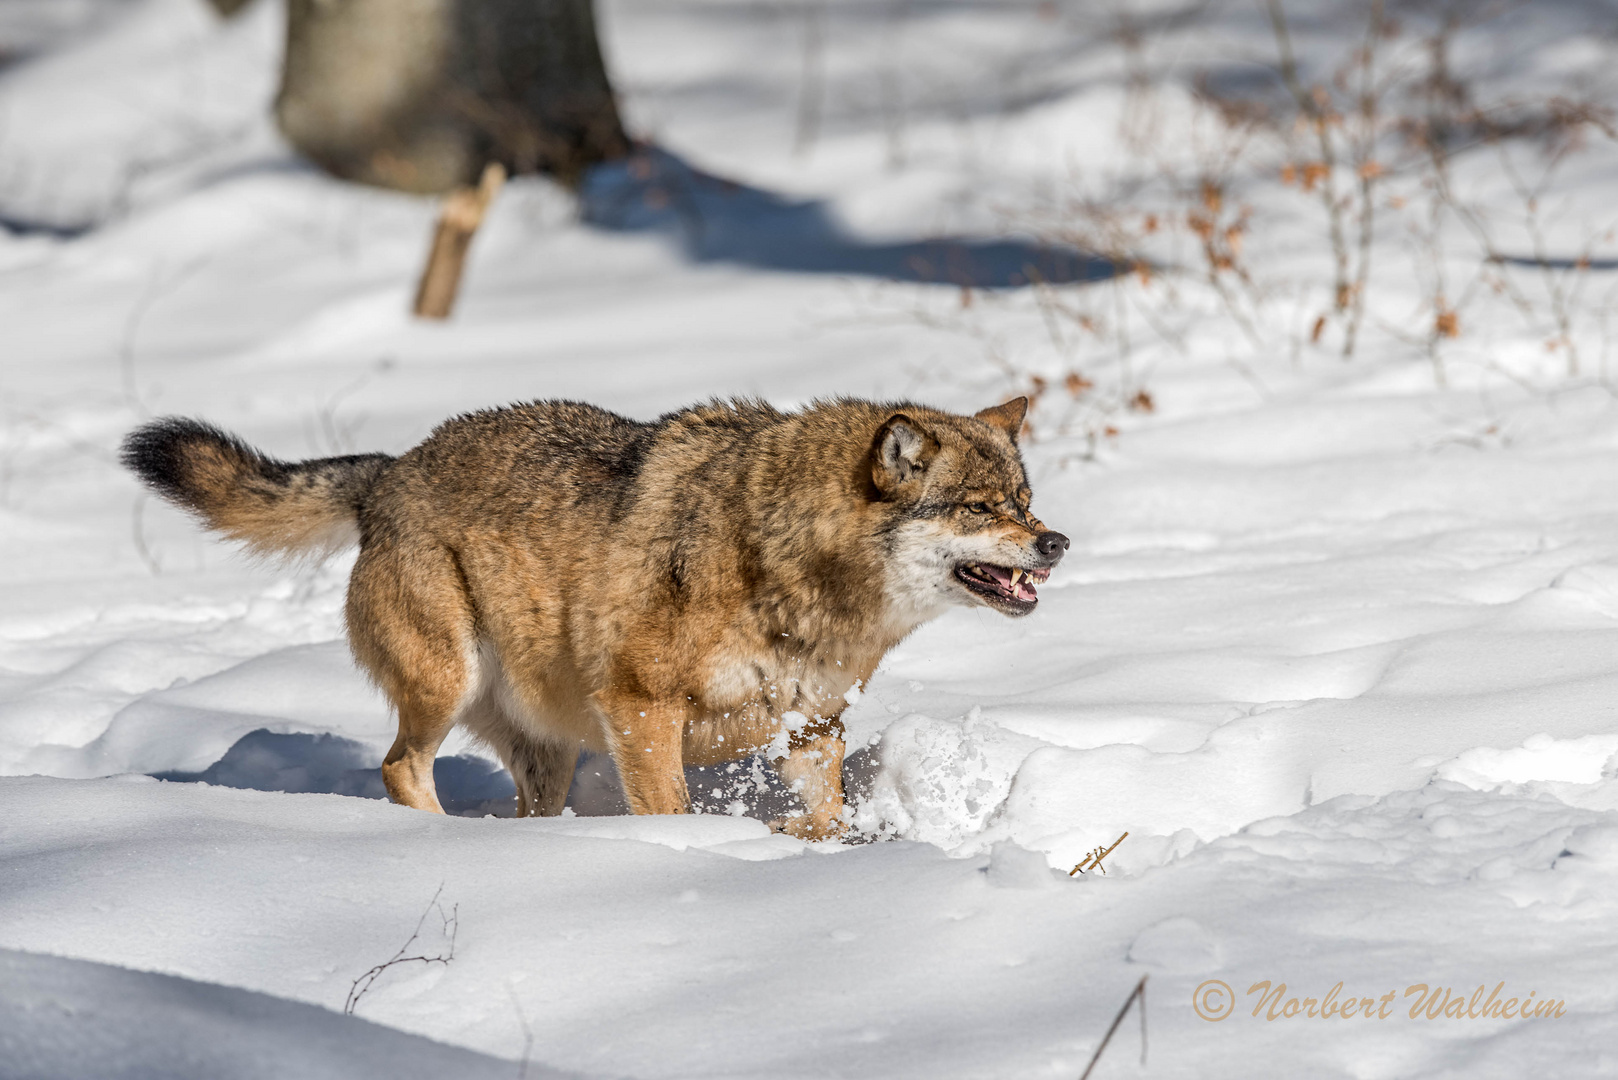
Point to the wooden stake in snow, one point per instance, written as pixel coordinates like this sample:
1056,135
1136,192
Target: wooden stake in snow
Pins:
463,213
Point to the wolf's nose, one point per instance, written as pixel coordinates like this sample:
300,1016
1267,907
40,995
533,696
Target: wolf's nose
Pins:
1052,545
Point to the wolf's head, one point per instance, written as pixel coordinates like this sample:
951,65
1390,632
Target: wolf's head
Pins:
961,530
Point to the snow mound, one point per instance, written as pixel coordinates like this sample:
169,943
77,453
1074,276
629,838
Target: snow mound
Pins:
1539,758
61,1017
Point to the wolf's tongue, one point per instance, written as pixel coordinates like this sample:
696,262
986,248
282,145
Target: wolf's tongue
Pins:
1024,591
1000,574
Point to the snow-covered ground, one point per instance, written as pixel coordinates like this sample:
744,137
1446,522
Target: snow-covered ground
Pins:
1336,645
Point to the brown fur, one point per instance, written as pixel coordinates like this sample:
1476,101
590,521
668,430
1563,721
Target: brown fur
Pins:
552,576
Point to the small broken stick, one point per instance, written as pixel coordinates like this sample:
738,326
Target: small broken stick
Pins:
463,213
1092,861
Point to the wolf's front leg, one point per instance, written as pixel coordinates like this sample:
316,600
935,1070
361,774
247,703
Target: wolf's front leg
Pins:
813,767
645,738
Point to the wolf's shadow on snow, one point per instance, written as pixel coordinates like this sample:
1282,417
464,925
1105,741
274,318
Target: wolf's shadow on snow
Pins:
471,786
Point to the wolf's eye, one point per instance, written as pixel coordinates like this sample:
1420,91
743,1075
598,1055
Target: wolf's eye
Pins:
978,508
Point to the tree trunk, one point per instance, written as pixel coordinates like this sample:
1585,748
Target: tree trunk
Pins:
421,94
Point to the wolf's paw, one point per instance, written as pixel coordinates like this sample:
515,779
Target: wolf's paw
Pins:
805,827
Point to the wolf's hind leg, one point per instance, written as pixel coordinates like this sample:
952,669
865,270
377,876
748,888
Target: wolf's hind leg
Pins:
543,772
410,622
813,768
407,771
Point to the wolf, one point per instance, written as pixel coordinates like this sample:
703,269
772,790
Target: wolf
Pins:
710,585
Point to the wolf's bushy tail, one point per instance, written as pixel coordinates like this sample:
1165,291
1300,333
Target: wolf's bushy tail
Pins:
275,507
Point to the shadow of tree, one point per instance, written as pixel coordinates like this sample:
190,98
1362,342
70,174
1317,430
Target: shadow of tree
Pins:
718,220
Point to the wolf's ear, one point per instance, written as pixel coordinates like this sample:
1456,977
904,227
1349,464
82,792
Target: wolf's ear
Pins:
900,451
1008,417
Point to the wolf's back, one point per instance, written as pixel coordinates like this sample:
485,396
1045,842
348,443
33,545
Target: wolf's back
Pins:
274,507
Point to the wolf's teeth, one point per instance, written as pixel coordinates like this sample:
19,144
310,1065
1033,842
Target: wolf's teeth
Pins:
1016,574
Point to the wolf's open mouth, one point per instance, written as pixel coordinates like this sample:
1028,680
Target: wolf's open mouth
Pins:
1005,583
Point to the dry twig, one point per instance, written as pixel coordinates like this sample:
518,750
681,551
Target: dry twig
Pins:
1138,993
1092,861
451,921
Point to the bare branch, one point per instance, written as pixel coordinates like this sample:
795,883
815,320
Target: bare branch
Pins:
451,921
1138,993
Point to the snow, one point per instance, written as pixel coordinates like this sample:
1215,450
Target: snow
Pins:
74,1018
1336,645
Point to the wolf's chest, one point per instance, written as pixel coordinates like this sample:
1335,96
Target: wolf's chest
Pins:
774,685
